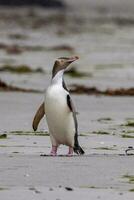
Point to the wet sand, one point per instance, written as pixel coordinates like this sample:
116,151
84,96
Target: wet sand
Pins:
98,174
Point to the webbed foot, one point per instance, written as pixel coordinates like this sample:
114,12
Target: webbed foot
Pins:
70,152
54,151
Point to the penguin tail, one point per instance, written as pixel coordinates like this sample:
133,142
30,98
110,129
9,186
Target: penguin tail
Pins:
78,150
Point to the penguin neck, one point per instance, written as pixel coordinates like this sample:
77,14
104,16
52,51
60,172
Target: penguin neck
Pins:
58,78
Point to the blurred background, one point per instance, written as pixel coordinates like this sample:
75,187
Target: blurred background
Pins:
33,33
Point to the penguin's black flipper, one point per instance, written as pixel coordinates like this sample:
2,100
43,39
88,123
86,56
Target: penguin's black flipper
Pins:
78,150
38,116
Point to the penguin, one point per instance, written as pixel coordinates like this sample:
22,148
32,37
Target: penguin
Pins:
60,111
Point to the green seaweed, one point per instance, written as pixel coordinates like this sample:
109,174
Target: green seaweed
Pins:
101,132
130,123
2,188
108,66
129,177
2,145
77,74
20,69
37,133
104,119
128,131
127,136
131,190
83,134
3,136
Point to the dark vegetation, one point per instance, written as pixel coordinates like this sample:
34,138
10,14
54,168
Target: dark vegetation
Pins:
81,89
3,136
5,87
76,74
17,49
101,132
20,69
127,136
76,89
130,123
43,3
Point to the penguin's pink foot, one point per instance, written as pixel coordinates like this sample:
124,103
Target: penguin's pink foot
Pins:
70,152
54,151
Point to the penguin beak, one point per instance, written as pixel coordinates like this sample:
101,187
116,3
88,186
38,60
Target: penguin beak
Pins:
72,59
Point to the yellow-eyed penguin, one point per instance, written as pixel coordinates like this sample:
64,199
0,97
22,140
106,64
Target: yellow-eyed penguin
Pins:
59,110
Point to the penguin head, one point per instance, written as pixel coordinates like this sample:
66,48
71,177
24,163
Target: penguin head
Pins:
62,63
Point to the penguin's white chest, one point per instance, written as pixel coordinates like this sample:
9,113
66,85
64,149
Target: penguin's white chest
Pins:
59,118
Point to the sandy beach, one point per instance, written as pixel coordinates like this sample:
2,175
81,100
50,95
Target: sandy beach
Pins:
101,172
102,35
